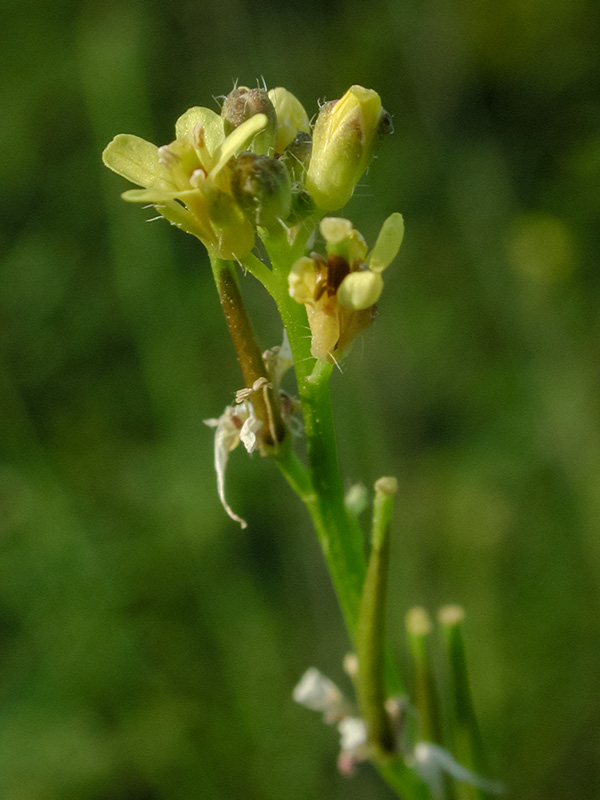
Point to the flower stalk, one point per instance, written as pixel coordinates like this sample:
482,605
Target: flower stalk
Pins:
248,352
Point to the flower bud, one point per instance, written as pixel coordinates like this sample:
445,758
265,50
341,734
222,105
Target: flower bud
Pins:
297,155
291,117
243,103
345,137
262,187
302,205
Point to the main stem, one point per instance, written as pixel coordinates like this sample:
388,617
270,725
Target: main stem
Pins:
338,532
340,535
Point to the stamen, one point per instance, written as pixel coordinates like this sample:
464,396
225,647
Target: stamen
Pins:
166,157
198,139
197,177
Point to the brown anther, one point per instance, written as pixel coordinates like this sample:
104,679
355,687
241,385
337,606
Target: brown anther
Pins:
337,269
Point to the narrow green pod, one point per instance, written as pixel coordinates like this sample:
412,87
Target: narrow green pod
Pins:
370,634
425,696
467,743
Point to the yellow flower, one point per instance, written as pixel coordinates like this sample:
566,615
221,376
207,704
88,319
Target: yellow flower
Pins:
340,291
187,180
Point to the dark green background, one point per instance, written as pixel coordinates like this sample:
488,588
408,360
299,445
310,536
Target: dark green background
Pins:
148,646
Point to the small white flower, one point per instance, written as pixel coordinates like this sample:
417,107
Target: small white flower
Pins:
353,733
317,692
353,742
431,761
250,428
356,499
236,424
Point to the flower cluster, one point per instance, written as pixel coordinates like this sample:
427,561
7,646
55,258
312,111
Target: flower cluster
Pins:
255,165
431,762
259,167
318,693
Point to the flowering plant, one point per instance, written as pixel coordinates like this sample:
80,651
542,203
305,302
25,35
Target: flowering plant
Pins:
260,171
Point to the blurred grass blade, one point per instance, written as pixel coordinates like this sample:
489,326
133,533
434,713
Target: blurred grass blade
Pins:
466,739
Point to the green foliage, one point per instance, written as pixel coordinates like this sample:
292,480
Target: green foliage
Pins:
148,646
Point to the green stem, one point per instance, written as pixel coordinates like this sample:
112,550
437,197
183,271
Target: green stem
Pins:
259,271
340,535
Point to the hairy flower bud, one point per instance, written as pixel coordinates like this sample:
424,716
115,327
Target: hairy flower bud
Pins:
262,187
345,137
296,155
302,205
243,103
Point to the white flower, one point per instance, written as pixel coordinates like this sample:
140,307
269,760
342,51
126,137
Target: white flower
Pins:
353,733
238,423
354,745
317,692
431,761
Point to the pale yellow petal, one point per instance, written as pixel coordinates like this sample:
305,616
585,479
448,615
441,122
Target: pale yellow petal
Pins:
360,290
388,243
325,330
237,141
291,117
336,230
302,280
137,160
211,126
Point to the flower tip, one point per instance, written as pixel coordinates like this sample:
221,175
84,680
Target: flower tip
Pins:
318,693
418,622
451,615
335,229
386,485
353,733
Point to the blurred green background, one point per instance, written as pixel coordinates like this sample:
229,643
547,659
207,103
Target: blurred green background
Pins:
148,647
